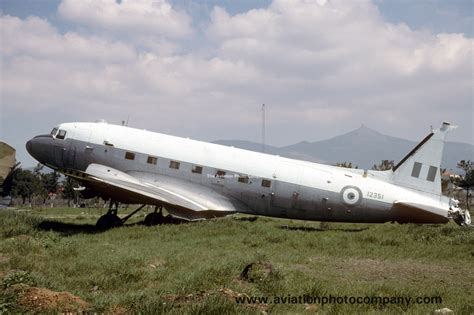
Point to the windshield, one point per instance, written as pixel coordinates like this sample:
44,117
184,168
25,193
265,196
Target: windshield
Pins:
61,134
53,132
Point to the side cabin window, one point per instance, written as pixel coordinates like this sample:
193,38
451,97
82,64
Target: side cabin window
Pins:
61,134
152,160
129,156
197,169
220,174
174,165
266,183
243,179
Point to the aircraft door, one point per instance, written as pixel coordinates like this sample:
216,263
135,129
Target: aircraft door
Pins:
83,149
285,192
319,189
69,150
59,153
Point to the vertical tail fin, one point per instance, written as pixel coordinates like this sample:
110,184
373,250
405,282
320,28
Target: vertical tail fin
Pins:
419,169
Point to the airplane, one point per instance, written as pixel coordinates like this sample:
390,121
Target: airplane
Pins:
7,166
195,180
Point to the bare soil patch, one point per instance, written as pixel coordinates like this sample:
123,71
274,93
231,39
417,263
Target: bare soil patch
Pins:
41,299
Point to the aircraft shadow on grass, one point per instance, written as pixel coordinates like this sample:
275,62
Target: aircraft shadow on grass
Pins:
305,228
313,229
66,228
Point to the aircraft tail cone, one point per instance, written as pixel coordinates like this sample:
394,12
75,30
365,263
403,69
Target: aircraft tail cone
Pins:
467,218
462,217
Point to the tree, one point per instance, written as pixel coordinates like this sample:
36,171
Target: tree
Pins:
346,165
50,184
28,184
68,191
25,184
50,181
384,165
6,187
467,181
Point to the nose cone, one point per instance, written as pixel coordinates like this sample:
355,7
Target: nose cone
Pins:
34,148
44,150
29,146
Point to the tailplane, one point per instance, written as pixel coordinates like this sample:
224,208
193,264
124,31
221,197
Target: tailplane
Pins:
420,169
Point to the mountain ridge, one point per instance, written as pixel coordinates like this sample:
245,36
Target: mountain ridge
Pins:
363,146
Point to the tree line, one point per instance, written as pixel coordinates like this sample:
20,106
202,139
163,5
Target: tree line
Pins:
33,185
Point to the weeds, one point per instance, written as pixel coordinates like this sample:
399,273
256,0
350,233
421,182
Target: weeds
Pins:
184,268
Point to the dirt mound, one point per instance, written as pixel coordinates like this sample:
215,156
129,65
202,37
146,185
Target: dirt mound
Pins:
257,271
41,299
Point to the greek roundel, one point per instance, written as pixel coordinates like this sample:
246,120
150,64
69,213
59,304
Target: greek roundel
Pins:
351,195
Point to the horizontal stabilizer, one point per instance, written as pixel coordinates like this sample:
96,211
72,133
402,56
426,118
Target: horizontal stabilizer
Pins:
412,212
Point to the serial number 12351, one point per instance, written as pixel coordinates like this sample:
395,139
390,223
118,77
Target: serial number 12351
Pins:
374,195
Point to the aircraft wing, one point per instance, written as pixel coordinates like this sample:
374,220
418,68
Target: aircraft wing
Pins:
7,160
182,199
409,211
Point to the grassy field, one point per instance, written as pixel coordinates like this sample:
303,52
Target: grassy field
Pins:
54,260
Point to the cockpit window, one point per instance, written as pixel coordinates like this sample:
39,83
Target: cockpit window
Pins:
53,132
61,134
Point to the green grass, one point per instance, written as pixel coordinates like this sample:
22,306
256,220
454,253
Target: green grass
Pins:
191,268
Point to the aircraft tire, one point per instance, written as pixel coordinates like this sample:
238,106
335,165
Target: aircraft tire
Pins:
154,219
108,220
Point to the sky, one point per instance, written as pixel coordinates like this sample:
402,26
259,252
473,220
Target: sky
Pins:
203,69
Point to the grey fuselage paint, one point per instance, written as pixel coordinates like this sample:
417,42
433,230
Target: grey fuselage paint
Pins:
281,199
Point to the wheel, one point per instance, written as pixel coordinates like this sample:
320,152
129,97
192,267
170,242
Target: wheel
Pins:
108,220
154,218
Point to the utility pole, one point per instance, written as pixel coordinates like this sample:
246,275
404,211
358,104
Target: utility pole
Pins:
263,128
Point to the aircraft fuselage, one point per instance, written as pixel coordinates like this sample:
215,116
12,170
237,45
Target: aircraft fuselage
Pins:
264,184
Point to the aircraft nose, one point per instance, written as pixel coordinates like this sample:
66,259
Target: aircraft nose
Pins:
32,146
29,146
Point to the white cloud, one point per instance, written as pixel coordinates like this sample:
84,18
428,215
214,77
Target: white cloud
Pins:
138,17
321,67
36,38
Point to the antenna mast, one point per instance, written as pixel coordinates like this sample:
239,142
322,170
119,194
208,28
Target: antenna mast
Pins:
263,128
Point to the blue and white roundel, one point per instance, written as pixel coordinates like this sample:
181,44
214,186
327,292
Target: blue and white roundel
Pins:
351,195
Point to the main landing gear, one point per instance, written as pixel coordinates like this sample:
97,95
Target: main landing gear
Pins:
155,217
111,219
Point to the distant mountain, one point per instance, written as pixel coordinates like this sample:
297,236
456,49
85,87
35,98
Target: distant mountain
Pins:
363,147
248,145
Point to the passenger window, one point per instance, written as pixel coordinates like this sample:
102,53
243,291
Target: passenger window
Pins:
266,183
243,179
197,169
129,156
174,165
152,160
220,174
61,134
